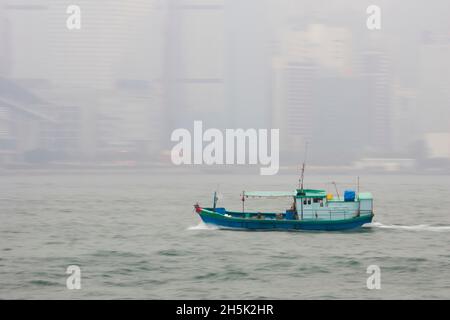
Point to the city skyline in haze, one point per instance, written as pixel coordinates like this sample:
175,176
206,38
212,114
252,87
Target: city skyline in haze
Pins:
115,89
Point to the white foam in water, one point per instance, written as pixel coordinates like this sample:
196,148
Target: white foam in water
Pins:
419,227
202,226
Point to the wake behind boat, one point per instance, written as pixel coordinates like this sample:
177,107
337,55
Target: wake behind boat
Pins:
311,210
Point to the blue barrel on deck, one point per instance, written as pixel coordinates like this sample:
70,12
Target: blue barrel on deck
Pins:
349,195
289,215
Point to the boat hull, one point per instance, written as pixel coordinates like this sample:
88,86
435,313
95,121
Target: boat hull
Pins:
220,220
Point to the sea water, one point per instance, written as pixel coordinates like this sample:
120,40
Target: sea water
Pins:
135,235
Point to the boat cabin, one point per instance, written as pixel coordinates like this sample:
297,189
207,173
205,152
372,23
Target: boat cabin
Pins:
317,204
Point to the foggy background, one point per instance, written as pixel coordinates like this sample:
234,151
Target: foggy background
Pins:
110,94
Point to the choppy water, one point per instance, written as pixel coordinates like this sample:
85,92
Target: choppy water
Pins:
136,236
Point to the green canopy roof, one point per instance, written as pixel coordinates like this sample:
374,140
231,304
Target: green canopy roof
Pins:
270,194
306,193
311,193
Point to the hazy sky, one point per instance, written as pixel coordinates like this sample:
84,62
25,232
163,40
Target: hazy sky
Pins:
239,63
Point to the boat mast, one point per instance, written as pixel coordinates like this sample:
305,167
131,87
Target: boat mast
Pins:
302,178
335,188
357,185
215,201
359,201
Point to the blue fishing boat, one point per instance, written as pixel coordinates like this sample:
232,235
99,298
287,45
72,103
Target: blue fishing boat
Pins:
311,210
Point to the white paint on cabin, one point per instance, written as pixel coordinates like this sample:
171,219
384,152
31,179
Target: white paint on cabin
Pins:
323,209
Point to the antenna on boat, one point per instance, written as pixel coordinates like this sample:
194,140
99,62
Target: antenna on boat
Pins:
359,201
302,176
216,196
335,187
357,186
215,201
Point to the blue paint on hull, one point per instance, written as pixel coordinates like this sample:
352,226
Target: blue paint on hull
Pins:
254,224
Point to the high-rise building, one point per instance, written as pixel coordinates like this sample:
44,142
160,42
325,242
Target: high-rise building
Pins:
375,74
193,63
248,57
83,70
217,64
129,123
114,41
25,41
299,82
434,69
5,44
21,121
406,126
309,60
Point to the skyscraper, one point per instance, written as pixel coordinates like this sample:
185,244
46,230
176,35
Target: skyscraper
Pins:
217,64
5,41
26,36
248,57
375,73
310,59
108,69
193,63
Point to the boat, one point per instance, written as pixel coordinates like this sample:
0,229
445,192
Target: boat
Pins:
312,209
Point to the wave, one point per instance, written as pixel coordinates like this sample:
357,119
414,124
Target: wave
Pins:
202,226
419,227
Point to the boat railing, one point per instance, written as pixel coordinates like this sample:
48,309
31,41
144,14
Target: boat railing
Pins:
334,214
